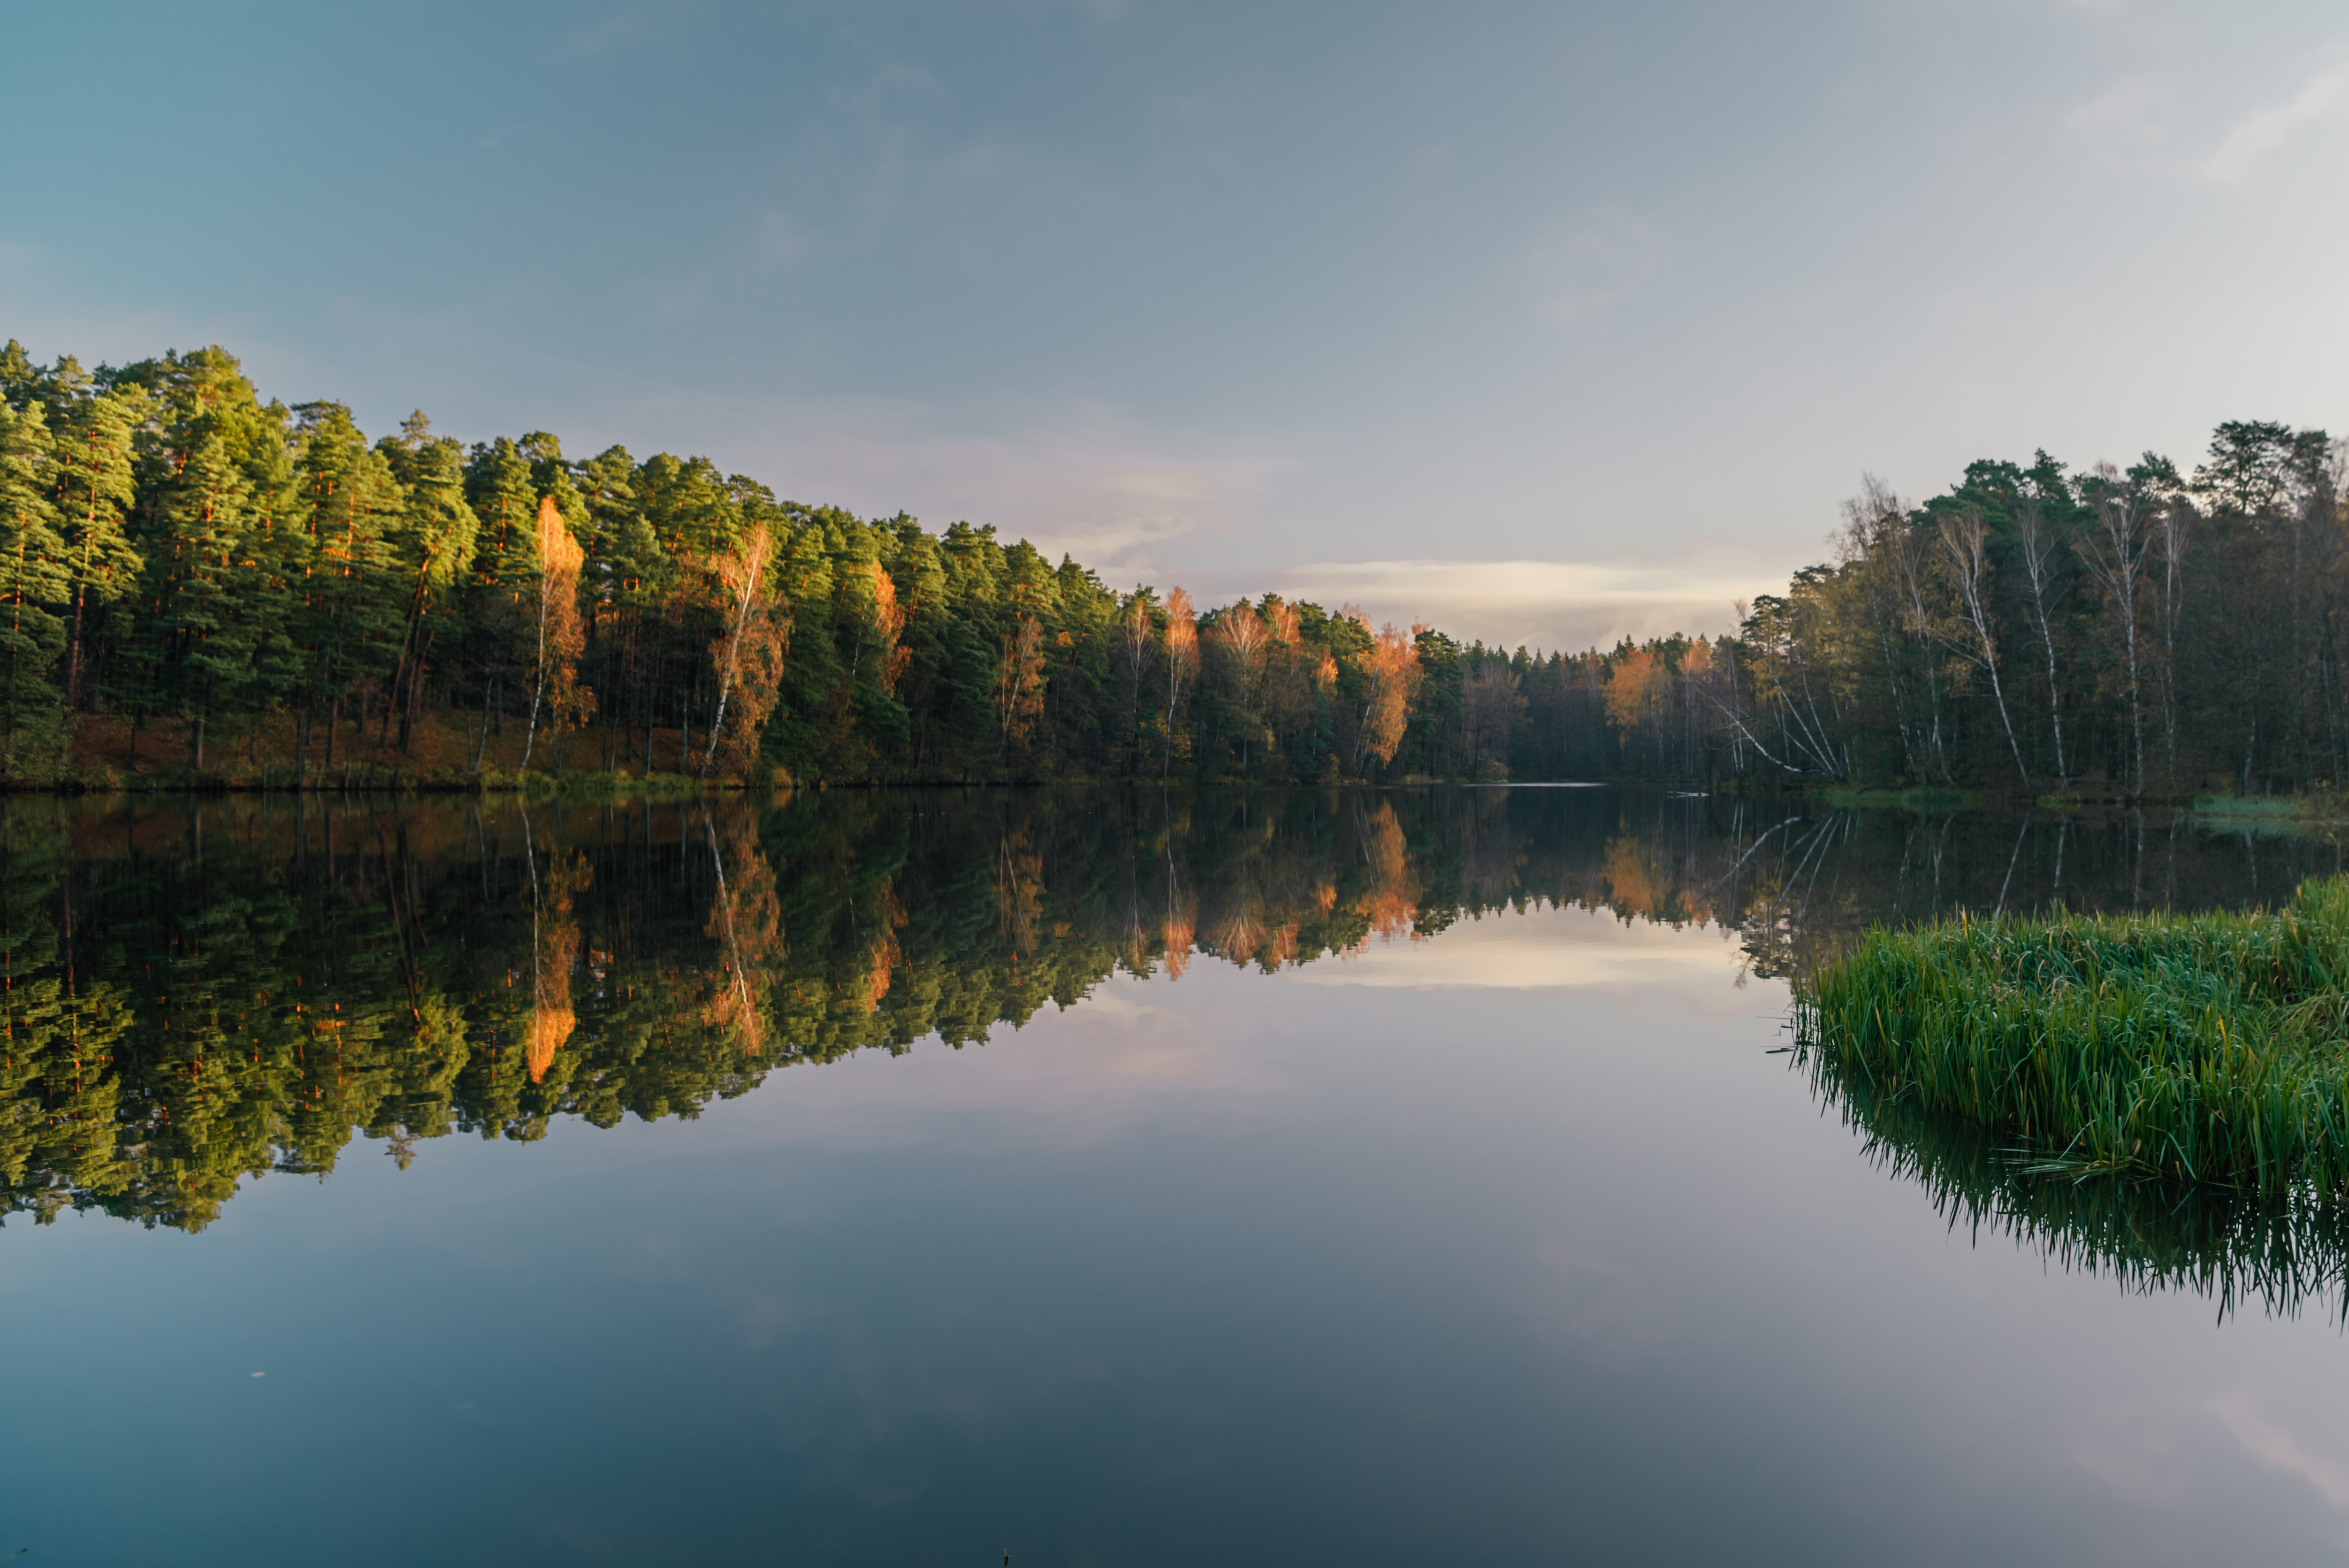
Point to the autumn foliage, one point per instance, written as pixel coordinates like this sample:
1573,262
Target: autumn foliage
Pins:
562,637
1389,670
746,655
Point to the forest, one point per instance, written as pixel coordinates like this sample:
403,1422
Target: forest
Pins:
206,588
2131,632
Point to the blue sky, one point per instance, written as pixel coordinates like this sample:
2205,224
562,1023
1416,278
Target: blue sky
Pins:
1547,322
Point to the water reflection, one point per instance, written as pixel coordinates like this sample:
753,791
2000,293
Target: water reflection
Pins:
200,992
2237,1249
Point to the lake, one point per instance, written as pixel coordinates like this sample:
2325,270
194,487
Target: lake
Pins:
1110,1177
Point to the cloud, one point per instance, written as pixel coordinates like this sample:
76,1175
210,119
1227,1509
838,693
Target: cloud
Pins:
1076,480
2261,134
2279,1449
2134,110
1553,605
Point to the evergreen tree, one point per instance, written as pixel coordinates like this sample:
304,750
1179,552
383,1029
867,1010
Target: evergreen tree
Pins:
350,591
432,543
503,583
218,637
34,585
95,492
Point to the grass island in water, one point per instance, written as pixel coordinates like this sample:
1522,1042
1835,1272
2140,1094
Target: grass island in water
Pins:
2207,1048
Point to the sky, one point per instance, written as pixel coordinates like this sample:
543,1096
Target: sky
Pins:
1549,323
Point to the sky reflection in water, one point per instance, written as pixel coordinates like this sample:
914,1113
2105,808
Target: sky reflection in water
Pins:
1508,1243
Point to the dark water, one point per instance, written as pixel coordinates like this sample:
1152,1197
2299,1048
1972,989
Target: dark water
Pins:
1365,1177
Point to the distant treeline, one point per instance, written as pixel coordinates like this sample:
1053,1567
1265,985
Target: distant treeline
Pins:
201,583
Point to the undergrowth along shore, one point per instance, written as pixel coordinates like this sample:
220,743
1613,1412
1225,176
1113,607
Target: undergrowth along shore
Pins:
2204,1048
373,780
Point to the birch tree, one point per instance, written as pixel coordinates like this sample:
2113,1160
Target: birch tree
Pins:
1182,658
2040,550
751,641
1965,540
2114,551
561,639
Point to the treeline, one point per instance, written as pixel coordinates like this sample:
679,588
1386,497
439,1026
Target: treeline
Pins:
200,584
2129,631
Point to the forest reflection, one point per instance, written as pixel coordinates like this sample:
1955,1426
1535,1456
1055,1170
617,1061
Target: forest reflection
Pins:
203,990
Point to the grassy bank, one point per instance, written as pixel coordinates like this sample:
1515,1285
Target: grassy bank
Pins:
2202,1049
2320,815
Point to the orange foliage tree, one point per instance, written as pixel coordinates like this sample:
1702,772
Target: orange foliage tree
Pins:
1636,689
1391,668
889,620
562,637
1020,683
1242,635
1182,658
748,652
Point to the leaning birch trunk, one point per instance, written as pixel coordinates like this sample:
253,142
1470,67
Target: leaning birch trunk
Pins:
2038,553
2172,530
2116,562
548,518
1965,539
746,563
1182,650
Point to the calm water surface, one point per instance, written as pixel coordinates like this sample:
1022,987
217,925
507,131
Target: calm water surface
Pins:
1118,1178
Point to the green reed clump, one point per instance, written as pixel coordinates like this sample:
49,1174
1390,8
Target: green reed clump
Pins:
2207,1047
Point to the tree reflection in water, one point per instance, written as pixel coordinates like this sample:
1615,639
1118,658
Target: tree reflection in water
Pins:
201,990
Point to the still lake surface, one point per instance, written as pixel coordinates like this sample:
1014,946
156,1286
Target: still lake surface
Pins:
1114,1177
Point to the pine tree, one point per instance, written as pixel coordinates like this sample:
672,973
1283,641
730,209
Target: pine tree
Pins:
433,543
33,584
219,604
349,619
95,492
502,586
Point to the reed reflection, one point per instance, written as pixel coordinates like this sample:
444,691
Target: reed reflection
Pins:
2239,1250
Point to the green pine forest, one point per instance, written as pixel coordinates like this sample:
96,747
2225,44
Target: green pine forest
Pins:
203,587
